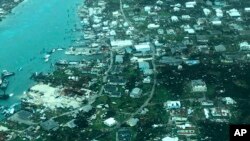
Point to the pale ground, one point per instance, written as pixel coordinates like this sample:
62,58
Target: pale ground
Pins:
52,97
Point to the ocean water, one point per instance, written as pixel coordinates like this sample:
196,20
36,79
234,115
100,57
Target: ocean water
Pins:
35,27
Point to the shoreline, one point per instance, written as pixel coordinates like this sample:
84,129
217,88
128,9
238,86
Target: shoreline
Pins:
8,9
17,96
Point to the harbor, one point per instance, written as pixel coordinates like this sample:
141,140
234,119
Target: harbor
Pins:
28,44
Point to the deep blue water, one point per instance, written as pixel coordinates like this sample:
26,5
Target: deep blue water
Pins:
36,26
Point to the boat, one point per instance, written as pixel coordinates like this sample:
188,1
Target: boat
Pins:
62,62
4,97
6,73
4,84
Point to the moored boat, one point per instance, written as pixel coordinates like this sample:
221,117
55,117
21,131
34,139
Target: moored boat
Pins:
6,73
4,97
4,84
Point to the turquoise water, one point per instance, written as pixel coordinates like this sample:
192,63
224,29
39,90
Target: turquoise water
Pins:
35,27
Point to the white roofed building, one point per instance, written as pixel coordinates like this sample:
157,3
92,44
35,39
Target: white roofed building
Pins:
136,93
198,86
143,47
172,105
190,4
121,43
170,139
110,122
153,26
234,13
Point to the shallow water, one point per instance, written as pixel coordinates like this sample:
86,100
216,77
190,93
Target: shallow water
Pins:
35,27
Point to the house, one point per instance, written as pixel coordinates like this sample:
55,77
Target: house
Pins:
145,68
143,65
220,48
136,93
170,60
132,121
22,117
172,105
117,70
229,100
247,9
207,103
202,38
147,80
185,17
178,48
198,86
170,139
219,12
143,47
192,62
217,114
109,89
174,19
116,80
115,94
50,125
233,13
186,129
179,120
123,134
121,43
119,59
216,22
153,26
110,122
190,4
244,46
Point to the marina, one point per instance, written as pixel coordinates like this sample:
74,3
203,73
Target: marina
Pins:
28,45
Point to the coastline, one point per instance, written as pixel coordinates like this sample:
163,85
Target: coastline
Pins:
45,66
8,7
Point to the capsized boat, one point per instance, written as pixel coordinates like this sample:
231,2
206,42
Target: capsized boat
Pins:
6,73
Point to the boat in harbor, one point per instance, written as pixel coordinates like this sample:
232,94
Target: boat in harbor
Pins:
4,96
62,62
6,73
4,84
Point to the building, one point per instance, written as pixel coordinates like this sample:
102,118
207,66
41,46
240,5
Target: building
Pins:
143,47
202,38
121,43
116,80
170,60
123,134
217,114
110,122
143,65
136,93
244,46
187,130
170,139
219,48
153,26
147,80
172,105
109,89
179,120
50,125
198,86
228,100
119,59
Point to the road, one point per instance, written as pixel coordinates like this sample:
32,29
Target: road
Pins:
154,81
